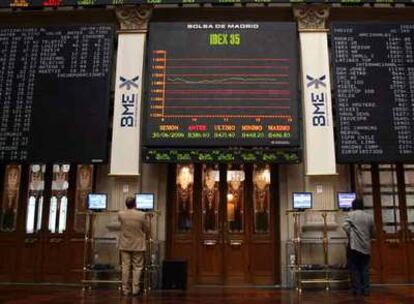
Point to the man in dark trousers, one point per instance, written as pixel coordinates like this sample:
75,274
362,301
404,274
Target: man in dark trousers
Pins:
360,229
132,245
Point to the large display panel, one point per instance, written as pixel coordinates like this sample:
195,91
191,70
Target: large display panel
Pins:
222,84
54,93
374,82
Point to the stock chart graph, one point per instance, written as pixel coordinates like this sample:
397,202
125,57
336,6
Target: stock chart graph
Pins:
218,88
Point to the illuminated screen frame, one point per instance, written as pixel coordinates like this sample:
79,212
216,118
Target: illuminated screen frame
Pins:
302,193
144,193
97,209
338,202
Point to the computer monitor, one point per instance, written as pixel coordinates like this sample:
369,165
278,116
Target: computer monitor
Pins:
345,200
302,200
97,201
144,201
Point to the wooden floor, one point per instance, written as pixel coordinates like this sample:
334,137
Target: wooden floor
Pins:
25,294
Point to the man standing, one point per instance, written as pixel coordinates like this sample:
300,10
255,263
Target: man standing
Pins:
360,229
132,245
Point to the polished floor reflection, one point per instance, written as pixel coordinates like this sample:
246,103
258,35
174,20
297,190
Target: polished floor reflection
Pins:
33,294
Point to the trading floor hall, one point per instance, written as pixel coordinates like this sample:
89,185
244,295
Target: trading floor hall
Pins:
389,294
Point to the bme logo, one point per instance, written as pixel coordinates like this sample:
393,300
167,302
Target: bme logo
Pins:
128,82
319,117
128,100
316,81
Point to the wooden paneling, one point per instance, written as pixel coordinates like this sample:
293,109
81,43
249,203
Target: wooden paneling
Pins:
184,250
28,260
375,263
75,262
7,261
235,263
210,271
410,250
394,263
261,266
54,257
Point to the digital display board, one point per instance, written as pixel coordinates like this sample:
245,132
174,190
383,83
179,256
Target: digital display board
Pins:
222,84
374,82
91,3
54,93
345,200
222,155
144,201
301,200
97,201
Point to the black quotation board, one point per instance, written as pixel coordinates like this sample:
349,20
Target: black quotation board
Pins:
54,93
374,80
222,84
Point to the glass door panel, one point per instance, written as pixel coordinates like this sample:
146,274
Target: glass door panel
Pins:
185,182
391,220
261,199
84,182
366,184
35,198
210,199
52,214
235,200
59,199
10,201
409,195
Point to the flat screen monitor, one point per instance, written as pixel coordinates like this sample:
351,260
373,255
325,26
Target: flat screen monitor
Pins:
345,200
144,201
97,201
302,200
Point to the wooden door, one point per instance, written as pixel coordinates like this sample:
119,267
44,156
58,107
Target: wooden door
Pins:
408,215
392,223
210,242
55,230
236,224
181,218
264,231
13,177
44,241
233,224
388,193
31,224
62,237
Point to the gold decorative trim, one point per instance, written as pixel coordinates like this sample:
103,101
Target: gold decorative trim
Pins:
311,18
134,18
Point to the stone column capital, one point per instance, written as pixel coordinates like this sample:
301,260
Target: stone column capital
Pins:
134,18
311,18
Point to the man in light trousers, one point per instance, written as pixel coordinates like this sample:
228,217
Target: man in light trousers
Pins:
132,245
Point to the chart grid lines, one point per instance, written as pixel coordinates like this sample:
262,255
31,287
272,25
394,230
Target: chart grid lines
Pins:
168,86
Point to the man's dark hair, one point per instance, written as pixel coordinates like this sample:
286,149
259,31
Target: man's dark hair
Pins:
130,202
357,204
